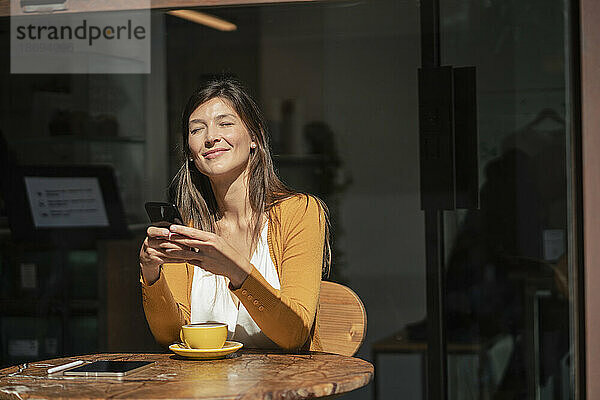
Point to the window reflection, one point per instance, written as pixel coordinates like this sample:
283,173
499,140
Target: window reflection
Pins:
337,81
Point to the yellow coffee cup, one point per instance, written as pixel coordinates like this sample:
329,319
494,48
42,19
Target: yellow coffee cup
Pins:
205,335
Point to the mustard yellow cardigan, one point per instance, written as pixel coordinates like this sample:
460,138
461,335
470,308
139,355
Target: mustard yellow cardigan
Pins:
287,316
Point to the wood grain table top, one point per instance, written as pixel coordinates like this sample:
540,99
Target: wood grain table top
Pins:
247,374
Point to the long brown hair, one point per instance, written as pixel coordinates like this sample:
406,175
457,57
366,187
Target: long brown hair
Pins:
192,190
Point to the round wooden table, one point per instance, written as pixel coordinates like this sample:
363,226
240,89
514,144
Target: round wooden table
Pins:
247,374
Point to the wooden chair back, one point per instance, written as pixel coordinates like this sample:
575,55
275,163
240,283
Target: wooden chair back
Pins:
342,319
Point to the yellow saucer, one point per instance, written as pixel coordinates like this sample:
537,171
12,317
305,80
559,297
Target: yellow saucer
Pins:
228,348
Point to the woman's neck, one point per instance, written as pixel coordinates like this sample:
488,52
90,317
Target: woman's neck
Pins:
233,200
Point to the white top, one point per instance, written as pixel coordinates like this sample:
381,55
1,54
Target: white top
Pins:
211,299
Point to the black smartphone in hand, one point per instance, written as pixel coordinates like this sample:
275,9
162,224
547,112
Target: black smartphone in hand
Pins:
163,214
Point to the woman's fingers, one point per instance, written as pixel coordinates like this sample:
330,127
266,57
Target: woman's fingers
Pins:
176,254
192,232
153,250
156,232
155,257
184,254
165,244
193,243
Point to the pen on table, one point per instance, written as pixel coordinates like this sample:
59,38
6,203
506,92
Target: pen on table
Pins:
64,366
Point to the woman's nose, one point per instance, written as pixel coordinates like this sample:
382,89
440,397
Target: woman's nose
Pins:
211,137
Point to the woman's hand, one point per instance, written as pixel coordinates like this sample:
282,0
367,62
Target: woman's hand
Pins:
209,252
153,253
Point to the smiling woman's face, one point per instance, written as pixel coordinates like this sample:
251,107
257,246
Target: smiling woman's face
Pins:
218,139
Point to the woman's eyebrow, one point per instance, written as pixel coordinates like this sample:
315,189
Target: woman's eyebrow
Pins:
218,117
221,116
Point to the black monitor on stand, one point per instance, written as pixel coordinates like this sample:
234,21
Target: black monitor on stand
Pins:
65,205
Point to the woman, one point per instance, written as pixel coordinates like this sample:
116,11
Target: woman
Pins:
253,252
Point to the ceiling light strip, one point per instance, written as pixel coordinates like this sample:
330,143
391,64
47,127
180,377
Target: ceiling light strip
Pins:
204,19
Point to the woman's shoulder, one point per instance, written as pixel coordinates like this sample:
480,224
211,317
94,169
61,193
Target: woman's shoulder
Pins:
299,205
296,203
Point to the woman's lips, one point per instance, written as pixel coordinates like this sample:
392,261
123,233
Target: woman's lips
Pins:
214,154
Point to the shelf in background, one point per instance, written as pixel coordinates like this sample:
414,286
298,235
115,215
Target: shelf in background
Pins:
138,227
69,139
29,307
83,305
40,307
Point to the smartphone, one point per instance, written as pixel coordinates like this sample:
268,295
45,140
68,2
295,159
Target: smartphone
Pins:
109,368
163,214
